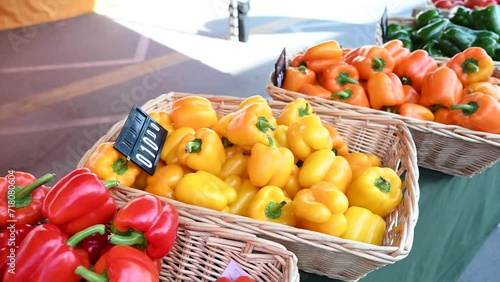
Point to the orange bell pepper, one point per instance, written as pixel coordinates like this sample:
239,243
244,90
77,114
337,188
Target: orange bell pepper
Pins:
352,94
202,150
477,111
385,90
294,110
415,67
494,80
270,164
193,111
440,87
339,146
322,55
171,145
415,111
295,78
298,60
442,115
372,60
360,162
411,95
398,52
165,180
338,75
483,87
349,56
164,119
315,90
292,185
472,65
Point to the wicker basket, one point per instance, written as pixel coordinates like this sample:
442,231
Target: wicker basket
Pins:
316,252
203,250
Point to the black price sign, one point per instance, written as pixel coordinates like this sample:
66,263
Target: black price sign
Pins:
280,69
141,140
383,25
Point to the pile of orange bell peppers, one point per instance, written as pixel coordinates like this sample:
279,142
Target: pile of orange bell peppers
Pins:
462,91
287,167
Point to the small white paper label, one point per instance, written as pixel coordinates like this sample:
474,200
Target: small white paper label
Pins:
234,270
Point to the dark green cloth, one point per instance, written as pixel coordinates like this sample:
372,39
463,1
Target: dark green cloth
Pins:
456,217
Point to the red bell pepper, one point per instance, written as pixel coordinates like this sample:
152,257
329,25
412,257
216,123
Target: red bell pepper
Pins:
121,263
95,245
10,239
147,223
22,197
47,254
79,200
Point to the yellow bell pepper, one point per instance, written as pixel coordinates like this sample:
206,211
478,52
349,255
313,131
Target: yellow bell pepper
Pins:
171,145
294,110
339,146
251,125
253,99
321,208
221,128
307,135
141,179
165,180
360,162
206,190
109,164
280,136
377,189
324,165
269,164
271,204
364,226
292,185
163,118
236,164
202,150
193,111
245,192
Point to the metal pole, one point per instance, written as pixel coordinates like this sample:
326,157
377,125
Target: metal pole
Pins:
243,8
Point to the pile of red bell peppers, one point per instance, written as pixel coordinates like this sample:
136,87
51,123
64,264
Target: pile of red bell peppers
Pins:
75,231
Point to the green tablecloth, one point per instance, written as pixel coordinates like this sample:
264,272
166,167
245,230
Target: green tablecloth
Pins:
456,217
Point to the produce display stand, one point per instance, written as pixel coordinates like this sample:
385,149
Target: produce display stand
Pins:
318,253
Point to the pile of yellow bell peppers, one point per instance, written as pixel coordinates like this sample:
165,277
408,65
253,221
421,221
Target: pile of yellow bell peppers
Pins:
291,168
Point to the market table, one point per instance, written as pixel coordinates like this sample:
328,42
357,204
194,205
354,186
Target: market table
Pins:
456,217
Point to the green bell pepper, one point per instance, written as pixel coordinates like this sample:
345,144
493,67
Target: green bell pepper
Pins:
461,16
424,17
447,47
459,37
432,47
489,44
401,32
486,18
431,31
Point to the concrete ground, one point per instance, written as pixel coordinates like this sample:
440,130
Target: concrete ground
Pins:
65,83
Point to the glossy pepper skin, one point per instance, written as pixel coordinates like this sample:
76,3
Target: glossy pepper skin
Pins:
148,223
193,111
424,17
271,204
377,189
46,245
298,61
22,203
83,189
95,245
295,78
411,95
415,111
397,50
364,226
352,94
294,110
109,164
416,66
385,90
484,87
339,147
202,150
360,162
165,180
400,32
477,111
442,115
321,208
236,163
164,119
121,263
324,165
472,65
462,16
486,18
245,191
372,60
204,189
221,128
7,244
338,75
169,153
270,164
441,87
292,185
322,55
432,48
315,90
255,99
432,30
307,135
251,124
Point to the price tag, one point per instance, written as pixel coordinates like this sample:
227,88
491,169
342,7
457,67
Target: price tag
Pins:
141,140
280,69
383,25
234,270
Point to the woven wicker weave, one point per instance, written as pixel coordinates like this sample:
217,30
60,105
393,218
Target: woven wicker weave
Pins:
316,252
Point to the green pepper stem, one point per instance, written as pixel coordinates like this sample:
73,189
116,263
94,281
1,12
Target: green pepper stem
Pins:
344,95
344,79
272,141
383,184
304,111
406,80
302,68
194,146
470,65
467,109
89,275
436,107
25,191
80,236
120,166
133,238
378,64
274,210
226,142
264,125
111,183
